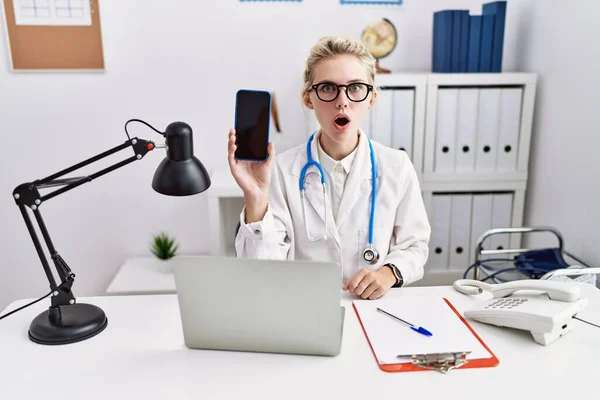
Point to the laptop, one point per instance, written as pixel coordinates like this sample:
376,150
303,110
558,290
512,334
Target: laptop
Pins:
268,306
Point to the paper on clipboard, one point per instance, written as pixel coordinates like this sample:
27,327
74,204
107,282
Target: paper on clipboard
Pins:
390,338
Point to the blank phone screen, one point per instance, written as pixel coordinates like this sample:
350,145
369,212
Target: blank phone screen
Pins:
252,118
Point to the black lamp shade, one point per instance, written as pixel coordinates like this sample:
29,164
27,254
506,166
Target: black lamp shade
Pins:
180,173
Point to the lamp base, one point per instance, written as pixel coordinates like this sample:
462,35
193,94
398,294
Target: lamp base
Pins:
67,324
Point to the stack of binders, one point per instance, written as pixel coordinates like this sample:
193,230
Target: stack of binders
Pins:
469,43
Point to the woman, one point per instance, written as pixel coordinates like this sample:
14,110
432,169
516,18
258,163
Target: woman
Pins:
376,229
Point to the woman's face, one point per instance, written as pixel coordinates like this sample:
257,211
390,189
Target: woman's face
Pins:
340,118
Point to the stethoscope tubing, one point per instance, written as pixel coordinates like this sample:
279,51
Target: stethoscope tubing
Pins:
310,162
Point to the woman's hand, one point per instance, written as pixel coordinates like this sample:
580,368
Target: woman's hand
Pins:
253,178
371,284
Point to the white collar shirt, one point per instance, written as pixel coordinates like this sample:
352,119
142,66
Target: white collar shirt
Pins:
337,174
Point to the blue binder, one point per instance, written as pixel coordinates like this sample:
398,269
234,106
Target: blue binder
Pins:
498,9
442,41
436,48
456,26
463,53
474,43
487,42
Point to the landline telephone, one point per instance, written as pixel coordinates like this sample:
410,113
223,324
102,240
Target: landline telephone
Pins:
547,315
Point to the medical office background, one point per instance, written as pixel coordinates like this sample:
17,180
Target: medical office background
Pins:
184,60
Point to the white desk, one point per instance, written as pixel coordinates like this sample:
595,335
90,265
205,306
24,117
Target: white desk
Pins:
141,355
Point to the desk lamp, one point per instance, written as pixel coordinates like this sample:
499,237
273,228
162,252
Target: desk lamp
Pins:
179,174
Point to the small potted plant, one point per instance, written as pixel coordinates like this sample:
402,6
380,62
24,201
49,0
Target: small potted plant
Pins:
164,247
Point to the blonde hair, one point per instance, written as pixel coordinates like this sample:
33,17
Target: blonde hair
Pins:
331,46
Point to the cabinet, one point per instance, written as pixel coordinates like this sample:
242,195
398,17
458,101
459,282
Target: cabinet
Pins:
476,158
225,203
468,136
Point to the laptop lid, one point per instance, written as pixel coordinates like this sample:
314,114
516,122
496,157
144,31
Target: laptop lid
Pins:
273,306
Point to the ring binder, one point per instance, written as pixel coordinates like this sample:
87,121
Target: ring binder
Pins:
441,362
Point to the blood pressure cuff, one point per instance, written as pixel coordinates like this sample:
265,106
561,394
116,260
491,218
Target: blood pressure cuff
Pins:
536,263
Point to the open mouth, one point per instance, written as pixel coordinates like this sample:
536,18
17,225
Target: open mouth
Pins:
342,121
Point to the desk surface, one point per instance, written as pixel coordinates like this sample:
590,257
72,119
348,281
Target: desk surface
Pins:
141,354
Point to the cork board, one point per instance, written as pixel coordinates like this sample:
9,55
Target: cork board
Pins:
54,47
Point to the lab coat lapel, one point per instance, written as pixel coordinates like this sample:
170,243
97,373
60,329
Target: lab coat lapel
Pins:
313,191
358,183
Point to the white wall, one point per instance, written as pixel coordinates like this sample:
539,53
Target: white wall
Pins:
559,40
166,61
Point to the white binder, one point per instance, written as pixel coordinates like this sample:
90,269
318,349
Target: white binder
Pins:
440,232
487,133
403,120
466,130
508,134
381,118
460,231
445,132
501,218
481,221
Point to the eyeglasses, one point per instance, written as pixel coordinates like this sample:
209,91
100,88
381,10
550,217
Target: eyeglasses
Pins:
356,92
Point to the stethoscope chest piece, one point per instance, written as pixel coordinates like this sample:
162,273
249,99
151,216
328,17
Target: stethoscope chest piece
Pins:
371,255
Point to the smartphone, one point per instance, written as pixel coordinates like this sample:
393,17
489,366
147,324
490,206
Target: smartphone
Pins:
252,124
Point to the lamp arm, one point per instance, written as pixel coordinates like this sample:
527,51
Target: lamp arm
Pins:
28,195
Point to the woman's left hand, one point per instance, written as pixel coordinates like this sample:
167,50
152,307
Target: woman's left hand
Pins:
371,284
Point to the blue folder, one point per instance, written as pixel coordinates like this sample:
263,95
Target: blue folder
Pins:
463,53
456,18
498,9
442,41
474,43
436,53
487,42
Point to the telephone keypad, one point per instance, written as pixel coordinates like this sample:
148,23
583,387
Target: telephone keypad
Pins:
507,303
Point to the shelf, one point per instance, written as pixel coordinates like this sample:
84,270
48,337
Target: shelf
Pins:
474,176
401,79
431,182
406,79
482,79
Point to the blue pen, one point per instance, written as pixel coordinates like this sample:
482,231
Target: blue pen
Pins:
419,329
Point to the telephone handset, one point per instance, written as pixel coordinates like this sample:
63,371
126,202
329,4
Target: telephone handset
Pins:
556,290
547,317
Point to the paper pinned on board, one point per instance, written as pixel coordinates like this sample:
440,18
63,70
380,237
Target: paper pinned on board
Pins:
390,338
53,12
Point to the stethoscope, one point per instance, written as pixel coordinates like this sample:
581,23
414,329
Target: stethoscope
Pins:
370,254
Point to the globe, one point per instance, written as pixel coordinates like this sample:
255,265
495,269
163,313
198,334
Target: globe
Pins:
380,39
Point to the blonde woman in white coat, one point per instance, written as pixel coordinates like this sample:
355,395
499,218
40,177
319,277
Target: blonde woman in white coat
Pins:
339,87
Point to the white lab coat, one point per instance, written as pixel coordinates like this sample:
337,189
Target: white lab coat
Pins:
401,226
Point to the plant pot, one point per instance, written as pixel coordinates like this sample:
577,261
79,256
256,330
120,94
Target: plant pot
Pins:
164,266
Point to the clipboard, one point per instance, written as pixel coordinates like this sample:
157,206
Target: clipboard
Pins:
418,354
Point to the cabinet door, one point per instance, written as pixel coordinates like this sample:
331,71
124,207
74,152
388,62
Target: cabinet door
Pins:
392,119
